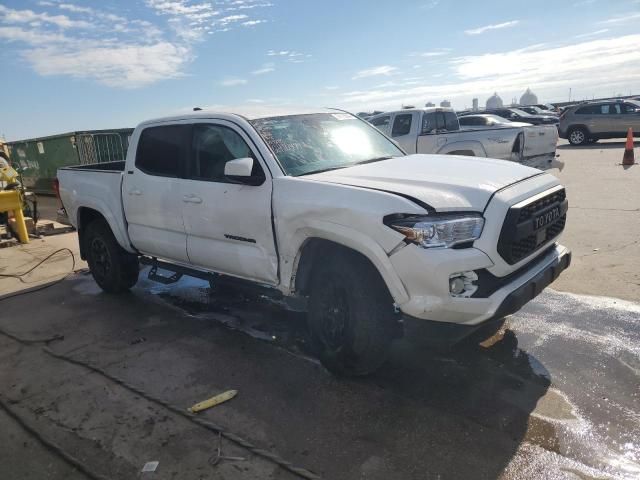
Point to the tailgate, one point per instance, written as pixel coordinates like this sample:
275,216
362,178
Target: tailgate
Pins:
540,140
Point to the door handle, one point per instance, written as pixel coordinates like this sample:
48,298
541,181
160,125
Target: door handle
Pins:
191,199
135,191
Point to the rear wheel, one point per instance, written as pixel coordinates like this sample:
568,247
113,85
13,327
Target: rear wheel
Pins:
114,269
578,136
351,316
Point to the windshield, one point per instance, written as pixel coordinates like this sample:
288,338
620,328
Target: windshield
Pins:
521,112
497,119
311,143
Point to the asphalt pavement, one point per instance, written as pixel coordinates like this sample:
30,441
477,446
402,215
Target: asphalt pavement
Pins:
553,395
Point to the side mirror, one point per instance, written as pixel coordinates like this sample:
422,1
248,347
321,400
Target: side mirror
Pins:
239,171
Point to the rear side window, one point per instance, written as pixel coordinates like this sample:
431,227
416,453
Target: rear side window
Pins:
162,149
401,125
589,110
428,123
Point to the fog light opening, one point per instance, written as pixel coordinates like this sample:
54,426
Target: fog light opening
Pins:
462,284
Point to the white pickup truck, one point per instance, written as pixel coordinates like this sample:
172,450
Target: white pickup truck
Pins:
325,210
437,130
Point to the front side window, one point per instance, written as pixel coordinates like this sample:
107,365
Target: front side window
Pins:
471,121
162,149
450,121
212,147
310,143
631,107
401,125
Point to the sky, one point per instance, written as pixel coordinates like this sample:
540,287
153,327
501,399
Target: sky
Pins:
80,65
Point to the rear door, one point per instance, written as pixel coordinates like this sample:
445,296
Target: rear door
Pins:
405,130
592,117
614,119
229,227
151,193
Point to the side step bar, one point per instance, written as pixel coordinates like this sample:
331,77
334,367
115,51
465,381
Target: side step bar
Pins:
294,303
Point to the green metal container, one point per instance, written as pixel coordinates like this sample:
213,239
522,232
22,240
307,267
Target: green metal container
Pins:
40,158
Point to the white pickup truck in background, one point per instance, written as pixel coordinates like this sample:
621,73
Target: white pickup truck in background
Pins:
325,210
437,130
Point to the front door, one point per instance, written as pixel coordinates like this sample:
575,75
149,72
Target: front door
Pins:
228,225
630,118
151,193
402,131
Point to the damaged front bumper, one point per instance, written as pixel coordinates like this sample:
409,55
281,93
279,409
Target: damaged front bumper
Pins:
457,317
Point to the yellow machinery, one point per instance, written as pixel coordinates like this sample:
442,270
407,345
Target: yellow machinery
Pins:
11,200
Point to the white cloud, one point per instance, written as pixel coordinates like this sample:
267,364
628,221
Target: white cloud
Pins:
127,66
497,26
9,15
73,8
550,70
251,23
375,71
431,53
266,68
31,37
233,82
231,19
331,87
115,51
182,8
289,55
592,34
627,17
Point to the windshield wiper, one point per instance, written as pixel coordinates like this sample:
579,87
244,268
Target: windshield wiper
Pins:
322,170
370,160
376,159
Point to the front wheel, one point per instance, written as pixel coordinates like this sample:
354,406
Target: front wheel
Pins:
114,269
578,136
351,316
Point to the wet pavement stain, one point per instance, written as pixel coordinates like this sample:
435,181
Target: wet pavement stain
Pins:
562,373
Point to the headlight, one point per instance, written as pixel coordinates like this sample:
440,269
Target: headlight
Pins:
440,231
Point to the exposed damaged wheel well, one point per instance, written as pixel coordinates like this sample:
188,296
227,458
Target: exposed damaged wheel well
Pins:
317,250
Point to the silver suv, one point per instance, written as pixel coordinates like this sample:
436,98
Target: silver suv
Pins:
588,122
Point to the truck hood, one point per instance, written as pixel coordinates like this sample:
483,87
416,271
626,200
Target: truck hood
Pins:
443,182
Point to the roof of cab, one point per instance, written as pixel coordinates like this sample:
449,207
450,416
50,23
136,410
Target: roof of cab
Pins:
246,114
412,110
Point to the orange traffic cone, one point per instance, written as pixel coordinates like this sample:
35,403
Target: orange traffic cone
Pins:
628,158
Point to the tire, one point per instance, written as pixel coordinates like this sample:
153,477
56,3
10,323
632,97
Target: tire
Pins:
114,269
350,316
578,136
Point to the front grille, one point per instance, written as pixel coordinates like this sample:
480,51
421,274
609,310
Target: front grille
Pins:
528,211
520,237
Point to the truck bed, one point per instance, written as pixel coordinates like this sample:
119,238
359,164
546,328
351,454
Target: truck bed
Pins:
99,187
117,166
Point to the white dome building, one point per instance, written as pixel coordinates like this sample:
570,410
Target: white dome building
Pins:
528,98
494,101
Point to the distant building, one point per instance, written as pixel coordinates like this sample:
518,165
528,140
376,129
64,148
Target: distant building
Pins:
528,98
429,104
494,101
445,104
475,105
